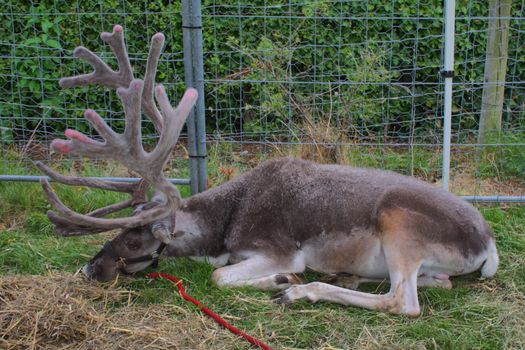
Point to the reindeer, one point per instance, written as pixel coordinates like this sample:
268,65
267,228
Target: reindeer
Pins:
265,226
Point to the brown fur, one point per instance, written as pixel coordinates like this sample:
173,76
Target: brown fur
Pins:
363,222
283,203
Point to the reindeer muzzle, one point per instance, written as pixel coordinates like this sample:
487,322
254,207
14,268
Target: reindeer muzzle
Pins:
122,262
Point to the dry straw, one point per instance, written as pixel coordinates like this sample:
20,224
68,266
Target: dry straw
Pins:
65,312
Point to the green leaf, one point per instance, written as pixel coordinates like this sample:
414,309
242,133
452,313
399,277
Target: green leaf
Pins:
46,25
32,41
53,43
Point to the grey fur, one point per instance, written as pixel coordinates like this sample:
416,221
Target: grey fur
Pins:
274,220
283,203
286,214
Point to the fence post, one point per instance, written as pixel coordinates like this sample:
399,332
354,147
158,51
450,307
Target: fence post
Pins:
198,81
194,77
495,69
448,74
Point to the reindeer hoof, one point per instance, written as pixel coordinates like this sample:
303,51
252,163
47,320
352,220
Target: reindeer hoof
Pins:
293,294
281,279
286,280
281,298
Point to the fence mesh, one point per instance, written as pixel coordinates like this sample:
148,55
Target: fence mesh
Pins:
356,82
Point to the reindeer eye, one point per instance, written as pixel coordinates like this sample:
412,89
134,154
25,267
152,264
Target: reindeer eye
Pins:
133,244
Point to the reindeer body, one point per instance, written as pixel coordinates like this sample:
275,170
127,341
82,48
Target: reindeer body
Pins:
293,214
271,222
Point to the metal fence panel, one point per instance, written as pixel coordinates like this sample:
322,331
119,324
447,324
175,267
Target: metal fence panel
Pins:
355,82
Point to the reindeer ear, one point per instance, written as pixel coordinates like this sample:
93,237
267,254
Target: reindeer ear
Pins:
162,232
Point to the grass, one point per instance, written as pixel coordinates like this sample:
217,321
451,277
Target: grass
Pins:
505,158
473,315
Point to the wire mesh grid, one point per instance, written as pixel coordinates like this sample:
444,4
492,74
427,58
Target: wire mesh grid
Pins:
355,82
37,43
359,82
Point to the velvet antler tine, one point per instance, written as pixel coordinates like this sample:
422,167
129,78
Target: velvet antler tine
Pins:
111,208
131,99
80,181
81,145
100,126
102,72
139,196
178,116
173,119
157,45
51,195
89,56
77,80
66,228
144,217
116,41
148,103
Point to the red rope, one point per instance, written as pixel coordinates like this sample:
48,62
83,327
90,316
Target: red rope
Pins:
207,311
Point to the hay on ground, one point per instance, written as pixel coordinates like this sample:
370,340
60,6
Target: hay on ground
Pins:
65,311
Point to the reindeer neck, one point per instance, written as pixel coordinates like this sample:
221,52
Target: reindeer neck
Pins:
204,218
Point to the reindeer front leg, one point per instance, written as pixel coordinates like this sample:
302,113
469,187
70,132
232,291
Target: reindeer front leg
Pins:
260,272
401,299
403,269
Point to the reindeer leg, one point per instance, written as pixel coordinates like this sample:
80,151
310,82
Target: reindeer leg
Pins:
278,281
439,280
353,282
349,281
260,272
401,299
403,269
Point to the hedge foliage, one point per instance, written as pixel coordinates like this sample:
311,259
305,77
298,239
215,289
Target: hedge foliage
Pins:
267,65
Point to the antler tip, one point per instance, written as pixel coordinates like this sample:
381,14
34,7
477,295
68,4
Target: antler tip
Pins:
70,133
90,113
61,146
63,82
159,37
44,168
159,89
77,52
117,28
191,93
136,84
78,136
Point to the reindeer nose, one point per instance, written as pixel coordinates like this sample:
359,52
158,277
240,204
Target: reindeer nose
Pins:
87,270
91,270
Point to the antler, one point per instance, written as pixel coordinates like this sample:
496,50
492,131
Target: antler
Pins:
125,148
64,226
105,76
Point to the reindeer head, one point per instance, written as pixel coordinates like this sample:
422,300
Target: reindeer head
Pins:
133,250
147,231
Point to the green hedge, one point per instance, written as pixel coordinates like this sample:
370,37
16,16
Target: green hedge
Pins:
267,65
